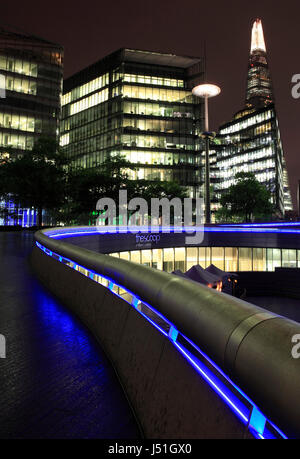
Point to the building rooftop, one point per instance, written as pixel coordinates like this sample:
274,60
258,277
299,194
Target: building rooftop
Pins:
151,57
11,34
131,56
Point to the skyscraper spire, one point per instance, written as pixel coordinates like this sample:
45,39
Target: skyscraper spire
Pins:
257,38
259,86
250,142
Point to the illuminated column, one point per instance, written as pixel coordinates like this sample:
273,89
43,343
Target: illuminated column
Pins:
206,91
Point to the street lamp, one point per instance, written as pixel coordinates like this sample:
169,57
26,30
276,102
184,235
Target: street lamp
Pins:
206,91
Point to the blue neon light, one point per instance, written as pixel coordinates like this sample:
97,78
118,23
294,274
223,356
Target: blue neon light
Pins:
135,302
236,405
249,416
263,224
111,286
257,420
278,430
173,333
244,228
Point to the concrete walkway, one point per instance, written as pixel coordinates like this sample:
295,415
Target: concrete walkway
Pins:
287,307
55,382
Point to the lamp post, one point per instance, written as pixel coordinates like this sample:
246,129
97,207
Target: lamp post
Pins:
206,91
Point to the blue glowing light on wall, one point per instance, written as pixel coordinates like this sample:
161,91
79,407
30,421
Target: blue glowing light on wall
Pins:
244,228
262,225
243,407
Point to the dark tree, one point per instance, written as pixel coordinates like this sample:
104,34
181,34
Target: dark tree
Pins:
246,200
87,186
35,179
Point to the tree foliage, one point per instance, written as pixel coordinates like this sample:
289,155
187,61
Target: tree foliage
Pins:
246,200
86,186
43,179
35,179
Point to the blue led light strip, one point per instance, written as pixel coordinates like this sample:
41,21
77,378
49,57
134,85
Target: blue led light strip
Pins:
262,225
246,410
244,228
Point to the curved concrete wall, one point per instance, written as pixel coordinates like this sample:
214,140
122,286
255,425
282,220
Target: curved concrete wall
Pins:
249,344
167,394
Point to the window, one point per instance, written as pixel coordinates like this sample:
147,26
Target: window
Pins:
245,259
191,257
231,259
125,255
168,260
180,258
259,259
217,257
289,258
146,257
273,259
157,259
135,256
204,256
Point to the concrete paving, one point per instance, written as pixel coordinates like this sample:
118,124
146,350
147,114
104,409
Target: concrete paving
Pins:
55,381
287,307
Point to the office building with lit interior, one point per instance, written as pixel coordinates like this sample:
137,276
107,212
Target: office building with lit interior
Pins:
251,142
137,104
32,70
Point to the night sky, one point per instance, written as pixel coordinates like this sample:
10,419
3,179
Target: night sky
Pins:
90,30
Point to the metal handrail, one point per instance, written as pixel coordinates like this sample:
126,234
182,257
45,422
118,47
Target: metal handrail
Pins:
250,344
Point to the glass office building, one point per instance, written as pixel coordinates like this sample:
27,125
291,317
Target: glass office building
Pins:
137,104
251,142
31,71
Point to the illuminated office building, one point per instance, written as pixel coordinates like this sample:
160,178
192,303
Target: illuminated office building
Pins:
137,104
250,142
32,70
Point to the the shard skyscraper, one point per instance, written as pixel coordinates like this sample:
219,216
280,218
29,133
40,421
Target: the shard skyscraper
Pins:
251,142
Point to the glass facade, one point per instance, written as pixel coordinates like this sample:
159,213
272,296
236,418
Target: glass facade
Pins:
32,69
259,84
230,259
251,141
137,105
